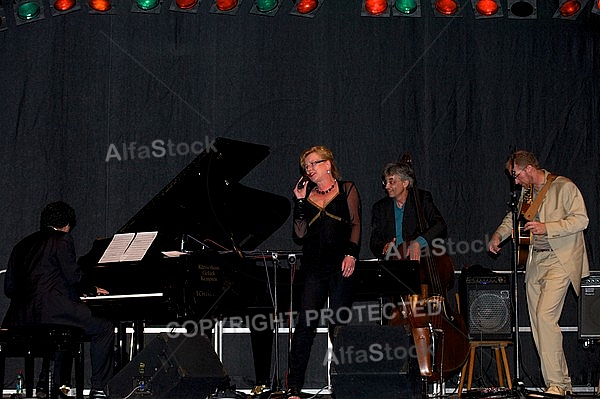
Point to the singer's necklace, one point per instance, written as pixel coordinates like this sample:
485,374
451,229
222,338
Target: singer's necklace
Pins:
326,191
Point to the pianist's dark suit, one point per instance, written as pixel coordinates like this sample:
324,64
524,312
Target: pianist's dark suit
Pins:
44,284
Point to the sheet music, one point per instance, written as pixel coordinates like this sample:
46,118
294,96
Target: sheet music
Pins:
128,247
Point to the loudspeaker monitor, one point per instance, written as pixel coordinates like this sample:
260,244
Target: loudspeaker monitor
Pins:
374,361
170,368
589,307
489,310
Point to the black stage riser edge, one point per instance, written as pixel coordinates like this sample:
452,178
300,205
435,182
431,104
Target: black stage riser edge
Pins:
174,368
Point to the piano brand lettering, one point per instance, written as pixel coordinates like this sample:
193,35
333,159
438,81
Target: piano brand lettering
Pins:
158,149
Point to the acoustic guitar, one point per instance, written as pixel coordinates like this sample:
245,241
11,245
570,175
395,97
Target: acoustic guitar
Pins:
524,237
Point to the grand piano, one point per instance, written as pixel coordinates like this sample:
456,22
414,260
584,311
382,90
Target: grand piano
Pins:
211,221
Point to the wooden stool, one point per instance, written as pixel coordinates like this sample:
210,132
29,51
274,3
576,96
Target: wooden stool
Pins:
499,348
43,341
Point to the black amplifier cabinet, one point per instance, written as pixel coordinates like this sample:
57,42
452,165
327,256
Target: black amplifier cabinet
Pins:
489,309
588,321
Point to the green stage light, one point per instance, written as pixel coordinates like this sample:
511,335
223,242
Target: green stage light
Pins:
28,11
268,8
406,6
145,6
266,5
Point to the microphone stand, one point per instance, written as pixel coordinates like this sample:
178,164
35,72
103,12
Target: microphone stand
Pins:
514,206
276,383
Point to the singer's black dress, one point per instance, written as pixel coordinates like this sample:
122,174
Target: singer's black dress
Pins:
327,235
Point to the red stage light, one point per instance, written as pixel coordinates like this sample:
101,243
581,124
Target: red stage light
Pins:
306,6
570,8
226,5
100,5
64,5
185,4
487,7
375,7
446,7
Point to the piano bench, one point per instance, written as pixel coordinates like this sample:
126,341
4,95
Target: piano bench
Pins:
43,341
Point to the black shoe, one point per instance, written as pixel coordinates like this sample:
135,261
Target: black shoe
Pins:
41,392
97,394
293,392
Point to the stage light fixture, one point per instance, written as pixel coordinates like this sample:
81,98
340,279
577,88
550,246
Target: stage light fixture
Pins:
487,9
375,8
406,8
268,8
306,8
445,8
3,25
522,9
26,11
145,6
227,7
596,7
189,6
60,7
569,9
100,7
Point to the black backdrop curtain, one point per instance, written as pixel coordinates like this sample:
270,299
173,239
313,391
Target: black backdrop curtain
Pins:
456,93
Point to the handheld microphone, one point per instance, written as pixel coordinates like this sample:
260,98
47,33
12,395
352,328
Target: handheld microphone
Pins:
303,182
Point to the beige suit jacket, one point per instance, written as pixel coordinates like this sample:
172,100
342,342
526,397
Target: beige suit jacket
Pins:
565,216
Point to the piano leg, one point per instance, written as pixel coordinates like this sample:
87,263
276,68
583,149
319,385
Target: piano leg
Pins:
138,338
121,355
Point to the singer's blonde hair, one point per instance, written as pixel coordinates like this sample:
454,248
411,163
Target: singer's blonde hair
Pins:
326,154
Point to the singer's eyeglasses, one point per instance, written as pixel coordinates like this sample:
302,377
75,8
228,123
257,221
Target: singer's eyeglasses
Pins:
519,174
313,163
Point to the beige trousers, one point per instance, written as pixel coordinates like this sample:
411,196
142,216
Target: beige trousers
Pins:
547,283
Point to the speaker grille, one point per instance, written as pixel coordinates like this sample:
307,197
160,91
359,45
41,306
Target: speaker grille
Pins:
489,310
589,306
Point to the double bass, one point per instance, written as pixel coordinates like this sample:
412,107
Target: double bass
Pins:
439,333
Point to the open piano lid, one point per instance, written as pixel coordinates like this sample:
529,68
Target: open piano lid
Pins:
205,202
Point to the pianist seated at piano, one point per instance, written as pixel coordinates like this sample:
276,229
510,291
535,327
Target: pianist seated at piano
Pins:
45,283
